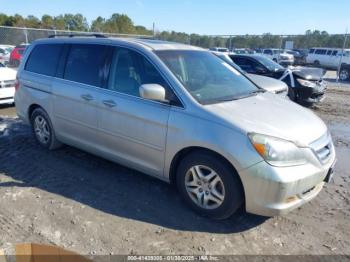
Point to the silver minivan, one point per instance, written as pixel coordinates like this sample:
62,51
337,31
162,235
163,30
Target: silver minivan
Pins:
178,113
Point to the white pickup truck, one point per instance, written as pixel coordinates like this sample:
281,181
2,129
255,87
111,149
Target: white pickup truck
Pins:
279,56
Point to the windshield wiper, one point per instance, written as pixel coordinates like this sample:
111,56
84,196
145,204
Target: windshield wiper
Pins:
258,91
232,98
235,97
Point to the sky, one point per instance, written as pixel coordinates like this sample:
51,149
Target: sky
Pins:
210,17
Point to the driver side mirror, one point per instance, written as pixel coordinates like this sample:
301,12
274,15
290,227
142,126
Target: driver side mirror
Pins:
153,92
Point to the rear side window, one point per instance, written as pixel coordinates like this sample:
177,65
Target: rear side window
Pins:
85,64
329,52
239,60
321,51
43,59
335,52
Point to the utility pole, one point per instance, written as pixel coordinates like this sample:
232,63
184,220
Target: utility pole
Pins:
26,35
342,53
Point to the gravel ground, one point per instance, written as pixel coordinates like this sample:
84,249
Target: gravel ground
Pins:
89,205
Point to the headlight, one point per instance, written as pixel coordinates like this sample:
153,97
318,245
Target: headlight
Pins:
276,151
306,83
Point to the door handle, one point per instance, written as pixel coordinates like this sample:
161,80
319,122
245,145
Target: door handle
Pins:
109,103
87,97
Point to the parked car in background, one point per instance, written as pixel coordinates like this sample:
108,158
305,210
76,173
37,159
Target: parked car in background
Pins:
306,85
279,56
7,84
5,51
271,85
219,49
243,51
16,55
299,58
179,113
344,73
328,57
240,51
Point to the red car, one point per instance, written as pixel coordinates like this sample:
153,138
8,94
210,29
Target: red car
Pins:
16,55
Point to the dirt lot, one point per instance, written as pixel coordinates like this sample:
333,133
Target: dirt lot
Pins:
84,203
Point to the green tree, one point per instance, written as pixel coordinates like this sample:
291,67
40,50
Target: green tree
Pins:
119,23
47,21
98,25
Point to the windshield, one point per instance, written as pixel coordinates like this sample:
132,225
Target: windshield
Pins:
271,65
206,77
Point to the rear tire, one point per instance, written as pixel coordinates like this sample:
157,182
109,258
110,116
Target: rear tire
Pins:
43,130
344,75
209,185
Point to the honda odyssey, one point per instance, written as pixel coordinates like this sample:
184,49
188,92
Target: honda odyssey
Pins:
178,113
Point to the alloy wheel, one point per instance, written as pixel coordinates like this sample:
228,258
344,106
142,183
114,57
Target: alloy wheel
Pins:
41,129
205,187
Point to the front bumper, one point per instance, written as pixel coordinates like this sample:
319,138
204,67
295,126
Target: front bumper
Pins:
271,191
6,93
9,100
311,95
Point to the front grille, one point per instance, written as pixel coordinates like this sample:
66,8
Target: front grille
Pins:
7,83
323,148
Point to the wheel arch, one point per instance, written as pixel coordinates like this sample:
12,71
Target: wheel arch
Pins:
31,109
189,150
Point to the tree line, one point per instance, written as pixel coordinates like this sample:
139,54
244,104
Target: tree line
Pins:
122,24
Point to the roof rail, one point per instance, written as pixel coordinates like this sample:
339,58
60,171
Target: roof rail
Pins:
78,35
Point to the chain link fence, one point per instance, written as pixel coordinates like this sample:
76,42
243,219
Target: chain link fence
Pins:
18,35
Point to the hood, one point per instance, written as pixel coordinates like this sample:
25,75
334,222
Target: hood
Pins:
269,84
7,73
271,115
308,73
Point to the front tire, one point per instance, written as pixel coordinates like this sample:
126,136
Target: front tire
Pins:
209,185
42,129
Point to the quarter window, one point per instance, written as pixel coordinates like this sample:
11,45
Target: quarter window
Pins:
85,64
329,52
43,59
